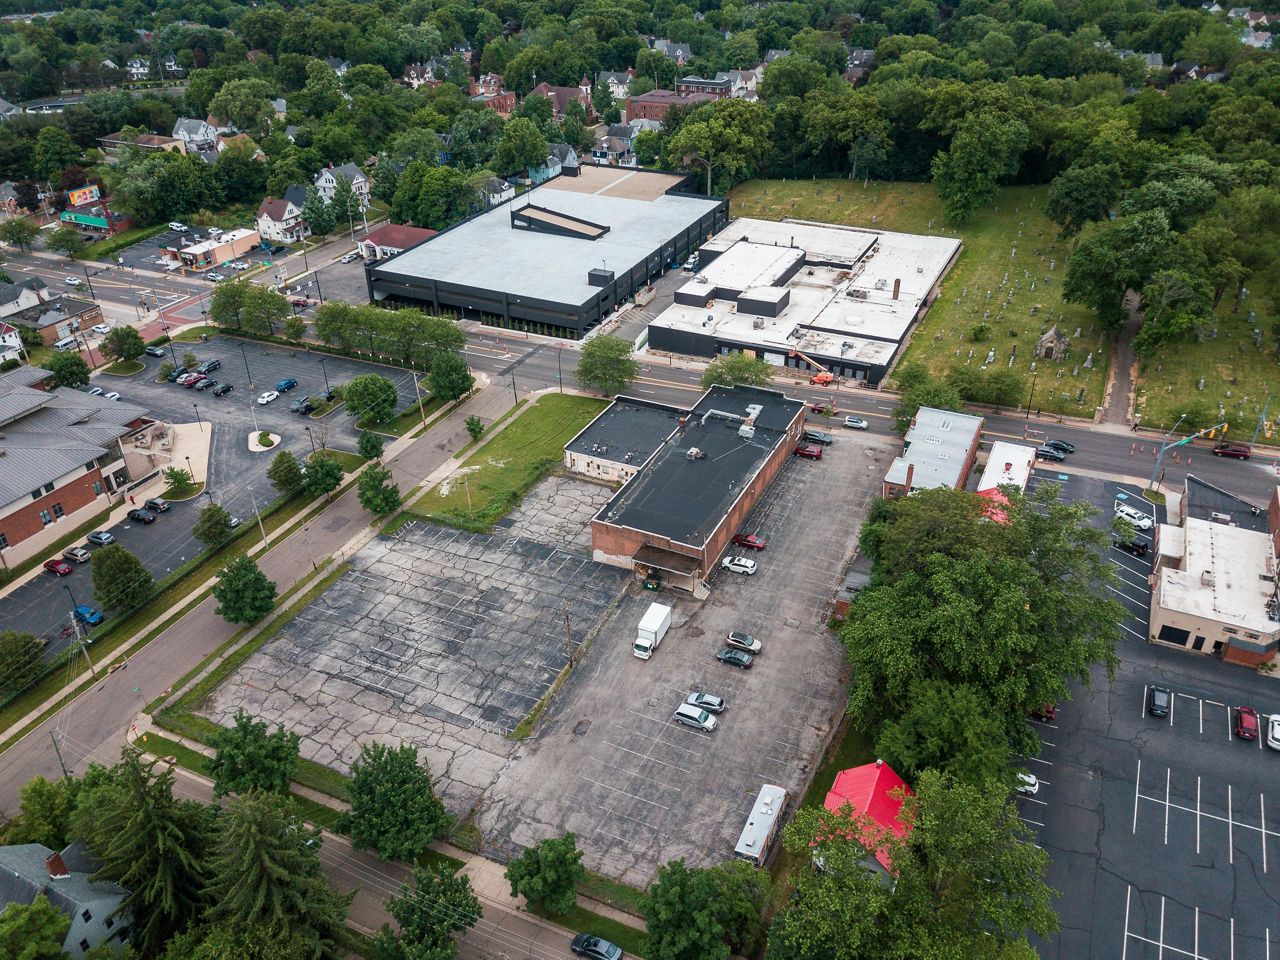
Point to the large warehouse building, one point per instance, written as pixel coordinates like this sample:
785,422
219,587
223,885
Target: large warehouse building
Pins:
558,259
812,296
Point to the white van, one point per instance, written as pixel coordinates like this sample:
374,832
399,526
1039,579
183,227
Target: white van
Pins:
1139,519
695,717
67,343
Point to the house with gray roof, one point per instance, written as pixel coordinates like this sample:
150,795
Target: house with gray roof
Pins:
31,870
21,295
327,182
197,134
8,110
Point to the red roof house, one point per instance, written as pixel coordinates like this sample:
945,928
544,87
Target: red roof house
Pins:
392,238
876,790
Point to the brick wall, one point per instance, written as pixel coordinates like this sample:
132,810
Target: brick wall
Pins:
73,495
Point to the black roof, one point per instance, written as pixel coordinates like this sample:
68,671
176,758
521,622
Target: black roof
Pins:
627,431
1204,501
685,498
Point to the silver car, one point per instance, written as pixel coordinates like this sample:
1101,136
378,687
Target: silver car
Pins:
695,717
743,641
856,423
706,701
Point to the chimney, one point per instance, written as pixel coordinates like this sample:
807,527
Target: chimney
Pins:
911,469
57,867
897,287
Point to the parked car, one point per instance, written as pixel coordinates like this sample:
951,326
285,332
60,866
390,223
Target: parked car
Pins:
739,565
154,351
856,423
78,554
277,249
1027,783
234,522
707,701
743,641
1138,548
222,389
239,265
1237,451
113,395
186,377
94,391
205,383
59,568
1273,732
195,380
209,366
74,281
100,538
1133,516
88,615
158,504
1062,445
177,227
810,451
141,516
216,277
1159,700
287,384
349,257
176,374
302,405
595,948
1047,452
1246,723
267,397
300,302
749,540
101,328
818,436
1045,712
736,658
695,717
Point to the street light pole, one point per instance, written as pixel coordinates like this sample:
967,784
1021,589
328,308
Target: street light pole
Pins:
173,355
199,422
190,470
326,375
312,439
1031,395
245,357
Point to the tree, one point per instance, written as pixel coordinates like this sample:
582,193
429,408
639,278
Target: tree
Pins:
68,368
178,481
742,891
608,364
18,232
394,809
33,931
436,906
234,941
285,473
921,389
122,343
737,369
294,328
948,727
120,580
475,427
1174,304
324,474
1082,194
27,193
147,841
249,757
1113,257
345,204
522,146
189,359
735,135
450,377
53,151
243,592
547,874
45,808
369,444
683,917
371,397
245,104
20,656
213,526
378,493
65,240
265,871
986,149
316,213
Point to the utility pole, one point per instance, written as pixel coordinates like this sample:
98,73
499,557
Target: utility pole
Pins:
568,635
1165,447
57,748
1257,427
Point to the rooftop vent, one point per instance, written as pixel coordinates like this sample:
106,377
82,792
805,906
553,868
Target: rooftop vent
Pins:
754,410
1220,517
1206,578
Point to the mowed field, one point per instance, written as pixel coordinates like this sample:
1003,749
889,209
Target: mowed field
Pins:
1009,276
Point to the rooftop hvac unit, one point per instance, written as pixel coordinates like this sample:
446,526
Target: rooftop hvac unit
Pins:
754,410
757,323
747,430
1206,578
693,453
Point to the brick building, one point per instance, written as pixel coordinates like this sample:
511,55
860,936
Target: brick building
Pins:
938,451
655,104
57,318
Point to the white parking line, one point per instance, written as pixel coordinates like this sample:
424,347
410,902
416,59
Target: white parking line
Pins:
1137,787
1231,830
1168,776
1262,804
1161,954
1047,763
609,786
1124,952
1197,813
1033,822
1146,689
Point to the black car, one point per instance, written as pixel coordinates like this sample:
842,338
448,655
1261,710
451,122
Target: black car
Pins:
302,405
206,384
277,249
222,389
1137,547
817,436
595,948
736,658
1062,445
209,366
1159,700
175,373
154,351
1049,453
142,516
158,504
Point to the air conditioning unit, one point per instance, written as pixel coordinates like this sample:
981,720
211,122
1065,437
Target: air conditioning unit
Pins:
757,323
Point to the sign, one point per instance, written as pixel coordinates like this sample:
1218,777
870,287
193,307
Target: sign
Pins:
84,219
82,195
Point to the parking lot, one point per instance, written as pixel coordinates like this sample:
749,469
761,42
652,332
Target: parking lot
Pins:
418,645
149,254
1157,828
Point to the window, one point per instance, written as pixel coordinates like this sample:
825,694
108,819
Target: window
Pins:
57,510
97,488
110,922
88,467
48,488
84,944
4,541
45,517
86,916
35,494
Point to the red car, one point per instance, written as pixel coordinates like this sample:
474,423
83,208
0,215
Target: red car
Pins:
809,450
1238,451
1045,712
198,379
59,568
300,302
1246,723
749,540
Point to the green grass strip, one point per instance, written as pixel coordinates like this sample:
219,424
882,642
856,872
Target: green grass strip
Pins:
633,942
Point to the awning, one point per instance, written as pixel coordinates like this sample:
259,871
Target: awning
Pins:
652,556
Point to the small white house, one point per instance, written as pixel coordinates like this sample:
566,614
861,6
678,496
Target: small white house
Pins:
327,182
138,68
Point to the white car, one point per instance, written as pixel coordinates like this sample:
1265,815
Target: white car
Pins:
739,565
856,423
1139,519
101,328
1273,732
743,641
73,281
94,391
267,397
239,265
349,257
1028,784
177,227
111,396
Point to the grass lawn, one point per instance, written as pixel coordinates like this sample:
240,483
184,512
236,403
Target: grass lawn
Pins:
192,334
1008,246
190,493
102,249
124,368
615,893
351,462
493,479
410,420
632,941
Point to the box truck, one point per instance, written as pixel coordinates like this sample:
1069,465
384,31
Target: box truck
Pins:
653,627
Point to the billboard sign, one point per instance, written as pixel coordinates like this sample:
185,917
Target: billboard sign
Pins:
83,195
84,220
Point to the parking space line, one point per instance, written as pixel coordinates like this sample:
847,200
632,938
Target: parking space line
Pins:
1229,820
1047,763
1231,830
674,788
1043,803
1196,944
1036,823
1137,786
1230,736
1146,688
1233,938
1197,813
1165,946
1262,804
1201,719
1128,891
1168,777
1160,956
645,757
609,786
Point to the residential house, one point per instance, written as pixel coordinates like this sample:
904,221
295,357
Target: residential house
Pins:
10,341
114,144
195,133
57,318
719,88
391,239
681,53
488,92
1257,39
562,159
561,97
326,182
859,65
495,191
296,193
340,67
775,54
1238,13
619,84
108,65
280,221
279,106
655,104
138,68
170,67
1211,7
614,151
29,870
432,72
1154,61
463,50
8,110
873,796
1186,70
8,200
21,295
742,83
238,139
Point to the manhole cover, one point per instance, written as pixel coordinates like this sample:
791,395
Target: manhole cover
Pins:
793,624
580,727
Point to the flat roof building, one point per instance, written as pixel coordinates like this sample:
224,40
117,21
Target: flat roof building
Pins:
806,295
938,451
678,513
617,443
559,258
